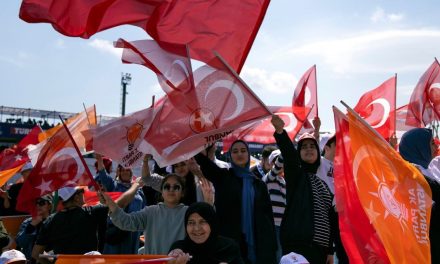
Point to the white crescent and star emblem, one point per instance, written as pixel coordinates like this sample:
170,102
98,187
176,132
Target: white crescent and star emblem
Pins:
201,120
292,121
386,109
180,64
235,90
71,152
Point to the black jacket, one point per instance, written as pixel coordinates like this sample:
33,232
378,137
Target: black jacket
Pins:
297,226
228,191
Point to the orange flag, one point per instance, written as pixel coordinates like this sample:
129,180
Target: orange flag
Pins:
112,259
78,125
393,193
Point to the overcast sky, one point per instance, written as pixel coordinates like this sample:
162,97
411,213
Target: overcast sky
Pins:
356,45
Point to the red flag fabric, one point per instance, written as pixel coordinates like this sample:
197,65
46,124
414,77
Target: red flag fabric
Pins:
91,198
228,26
262,131
424,105
401,123
220,103
359,237
120,139
378,108
60,164
306,95
170,62
12,159
394,194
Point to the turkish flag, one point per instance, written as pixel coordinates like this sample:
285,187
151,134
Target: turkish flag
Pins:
220,103
227,26
60,164
120,139
262,131
170,62
401,116
12,159
378,108
394,196
306,95
424,105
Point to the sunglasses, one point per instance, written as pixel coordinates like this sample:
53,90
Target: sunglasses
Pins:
41,202
169,187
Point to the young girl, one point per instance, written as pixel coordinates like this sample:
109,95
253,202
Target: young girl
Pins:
162,224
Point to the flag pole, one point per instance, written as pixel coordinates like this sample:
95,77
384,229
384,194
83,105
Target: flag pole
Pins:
241,80
80,156
395,103
316,83
360,119
87,114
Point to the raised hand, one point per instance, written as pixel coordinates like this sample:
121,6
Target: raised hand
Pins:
277,123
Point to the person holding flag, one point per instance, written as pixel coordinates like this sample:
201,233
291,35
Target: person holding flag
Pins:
306,226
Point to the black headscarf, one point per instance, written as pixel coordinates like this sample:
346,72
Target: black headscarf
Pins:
309,167
215,249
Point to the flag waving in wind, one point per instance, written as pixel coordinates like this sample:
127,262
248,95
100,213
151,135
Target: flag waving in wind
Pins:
394,196
120,138
220,103
59,164
424,105
12,159
306,95
170,62
378,108
227,26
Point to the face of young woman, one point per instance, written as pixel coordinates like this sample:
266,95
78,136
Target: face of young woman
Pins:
172,192
198,229
308,151
181,169
124,175
239,154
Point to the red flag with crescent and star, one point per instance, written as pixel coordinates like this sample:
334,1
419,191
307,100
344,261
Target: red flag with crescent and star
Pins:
227,26
220,103
170,62
12,159
393,195
306,95
262,131
424,105
59,164
378,108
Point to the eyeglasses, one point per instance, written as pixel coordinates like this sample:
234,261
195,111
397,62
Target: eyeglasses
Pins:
41,202
169,187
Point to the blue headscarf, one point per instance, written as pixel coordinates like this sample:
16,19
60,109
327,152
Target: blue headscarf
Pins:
247,198
415,146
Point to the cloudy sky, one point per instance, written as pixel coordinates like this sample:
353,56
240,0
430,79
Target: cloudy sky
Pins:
356,45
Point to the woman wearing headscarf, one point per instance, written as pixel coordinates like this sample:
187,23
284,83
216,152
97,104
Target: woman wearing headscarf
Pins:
418,147
202,241
243,205
306,225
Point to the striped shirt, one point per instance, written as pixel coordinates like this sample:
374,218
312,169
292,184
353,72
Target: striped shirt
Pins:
276,185
322,203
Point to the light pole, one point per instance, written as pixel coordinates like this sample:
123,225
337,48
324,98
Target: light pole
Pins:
125,80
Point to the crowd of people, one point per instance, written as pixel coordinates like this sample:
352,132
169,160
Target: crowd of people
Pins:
204,210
